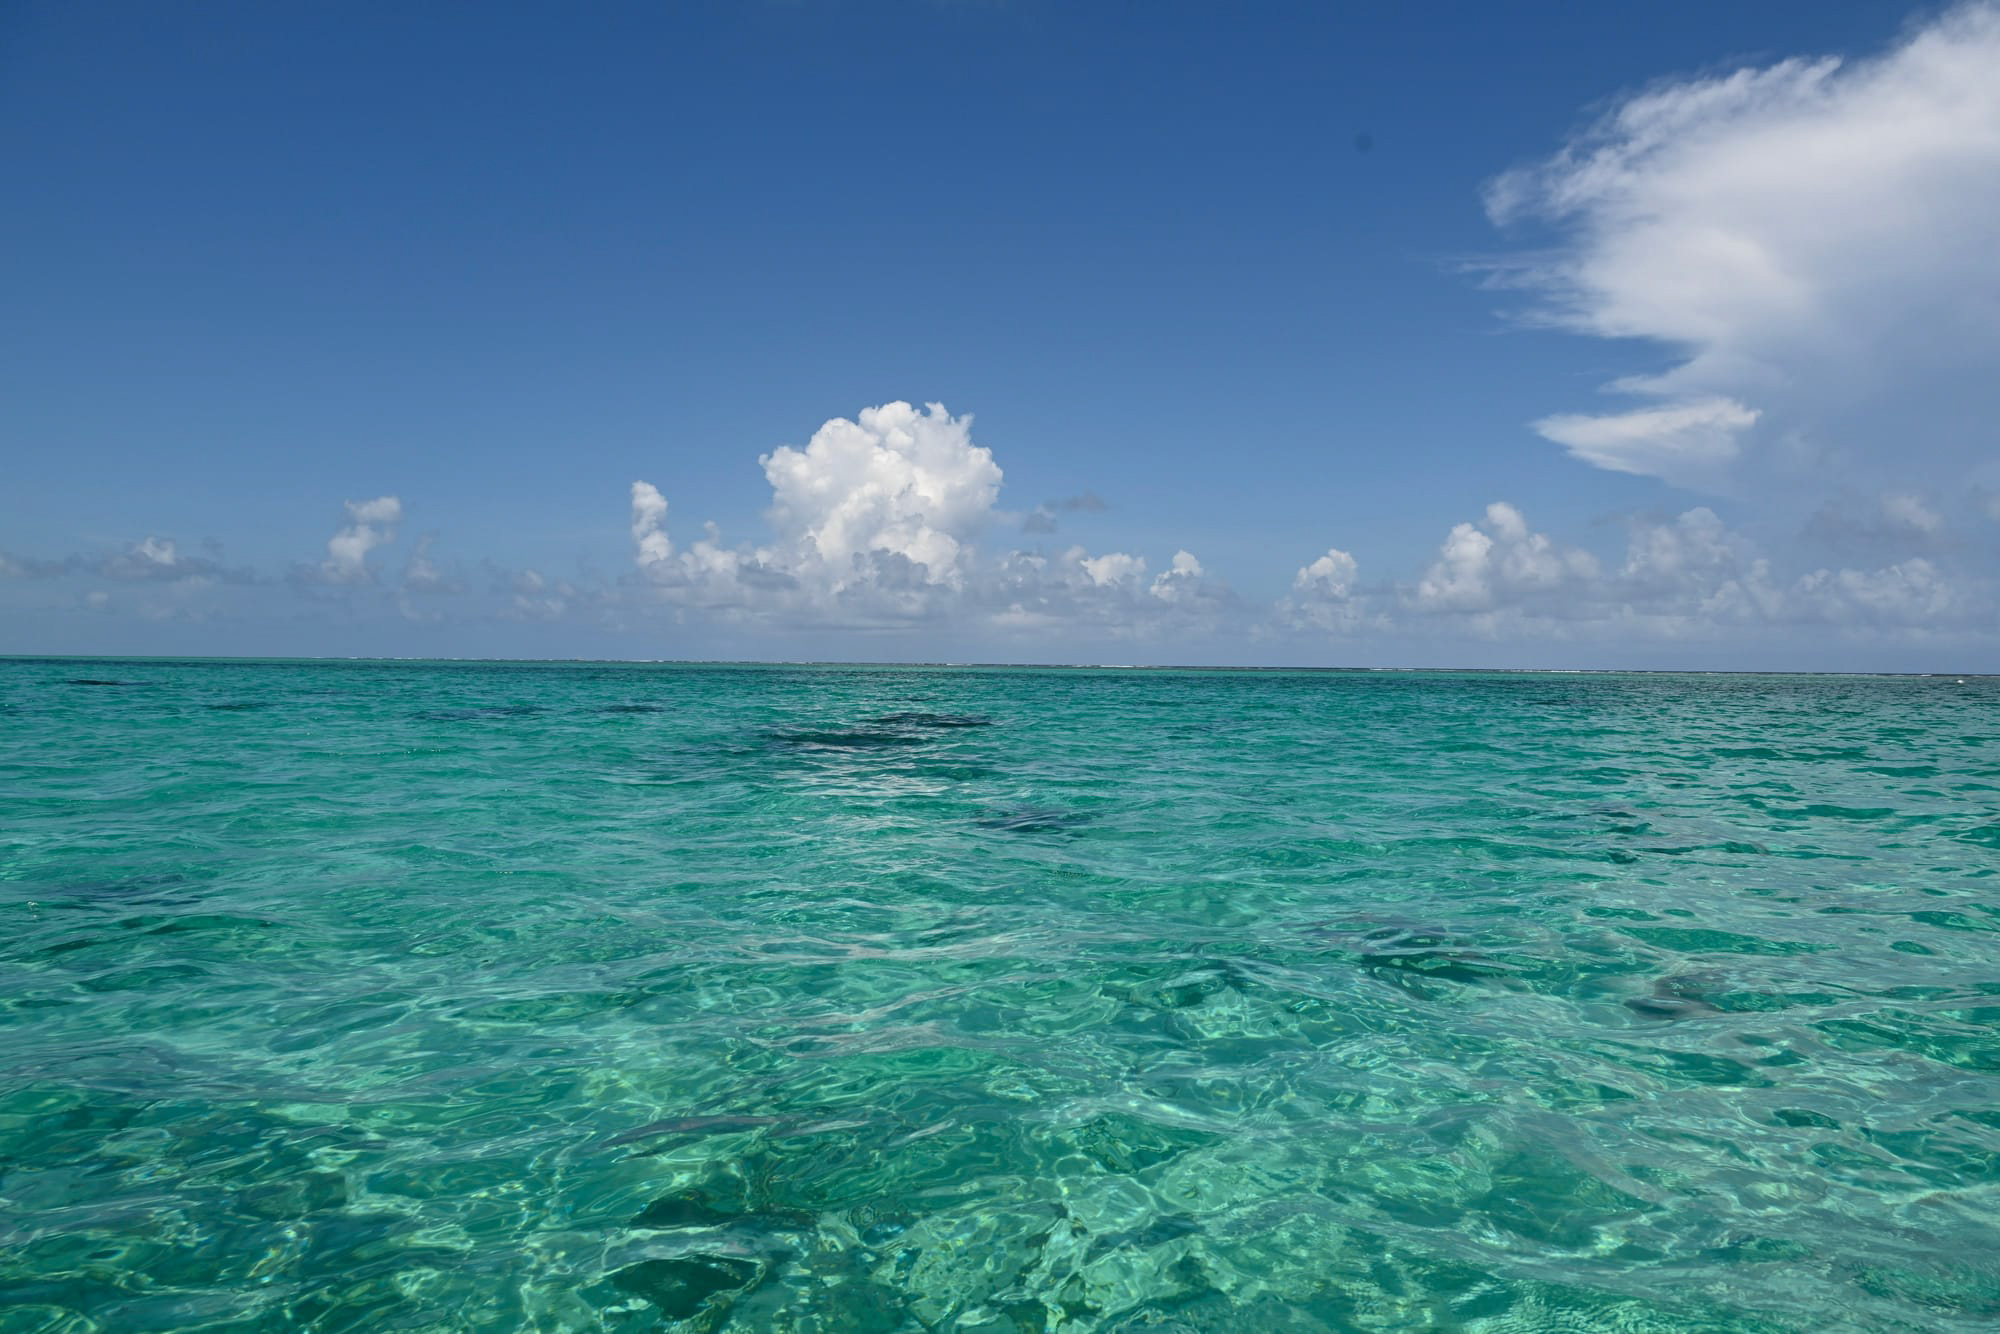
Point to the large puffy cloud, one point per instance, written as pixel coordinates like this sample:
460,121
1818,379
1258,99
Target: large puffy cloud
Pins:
877,522
1500,561
1813,238
896,483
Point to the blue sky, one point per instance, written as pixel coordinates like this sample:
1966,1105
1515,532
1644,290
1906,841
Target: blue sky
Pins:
1651,335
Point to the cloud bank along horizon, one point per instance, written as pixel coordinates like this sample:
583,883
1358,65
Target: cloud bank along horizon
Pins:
879,521
1808,241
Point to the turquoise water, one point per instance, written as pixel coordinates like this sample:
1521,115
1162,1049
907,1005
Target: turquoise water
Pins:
432,997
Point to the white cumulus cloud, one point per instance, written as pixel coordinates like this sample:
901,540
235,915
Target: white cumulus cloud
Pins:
1178,580
370,524
1686,577
1498,561
649,518
1114,567
877,521
896,482
1324,594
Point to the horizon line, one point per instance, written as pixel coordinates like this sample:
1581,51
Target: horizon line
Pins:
981,666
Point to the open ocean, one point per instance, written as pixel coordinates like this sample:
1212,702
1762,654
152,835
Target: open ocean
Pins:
484,996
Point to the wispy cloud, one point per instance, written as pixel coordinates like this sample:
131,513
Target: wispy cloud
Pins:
1043,517
1690,442
1812,240
151,559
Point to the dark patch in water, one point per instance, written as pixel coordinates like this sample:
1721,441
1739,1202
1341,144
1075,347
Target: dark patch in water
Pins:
1034,820
239,706
1678,997
888,732
849,739
940,721
163,889
1801,1116
681,1287
103,933
71,944
1187,990
686,1210
960,772
633,708
1987,835
94,681
692,1209
476,714
311,1193
1410,952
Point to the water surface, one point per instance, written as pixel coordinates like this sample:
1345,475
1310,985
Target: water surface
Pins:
575,997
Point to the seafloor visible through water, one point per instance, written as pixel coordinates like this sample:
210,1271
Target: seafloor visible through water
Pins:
352,996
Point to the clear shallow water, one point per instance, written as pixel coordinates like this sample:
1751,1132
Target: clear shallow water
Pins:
385,996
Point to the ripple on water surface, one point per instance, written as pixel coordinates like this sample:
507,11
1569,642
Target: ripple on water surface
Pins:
359,996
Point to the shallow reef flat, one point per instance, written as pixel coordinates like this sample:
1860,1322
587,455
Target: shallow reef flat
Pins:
344,996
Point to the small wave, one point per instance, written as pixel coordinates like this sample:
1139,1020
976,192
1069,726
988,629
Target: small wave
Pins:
1034,820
